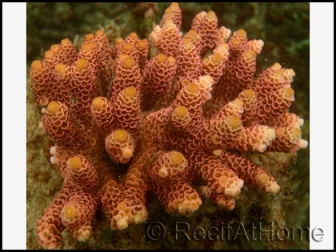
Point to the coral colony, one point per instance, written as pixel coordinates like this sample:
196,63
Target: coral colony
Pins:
174,123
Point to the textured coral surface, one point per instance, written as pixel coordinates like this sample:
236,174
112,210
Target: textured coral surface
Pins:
174,116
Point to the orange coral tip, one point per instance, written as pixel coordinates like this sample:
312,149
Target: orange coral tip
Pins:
53,107
121,136
133,35
65,41
36,65
49,54
249,93
235,42
143,44
69,212
128,62
193,88
177,158
55,48
168,10
86,48
119,41
250,55
234,122
296,132
211,15
75,163
82,64
217,58
241,33
100,33
180,111
98,103
130,91
127,47
289,91
89,37
262,179
60,69
161,58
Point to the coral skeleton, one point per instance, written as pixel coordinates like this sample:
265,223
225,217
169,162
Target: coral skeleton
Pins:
170,113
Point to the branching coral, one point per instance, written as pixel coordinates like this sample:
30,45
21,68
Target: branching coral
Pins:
172,121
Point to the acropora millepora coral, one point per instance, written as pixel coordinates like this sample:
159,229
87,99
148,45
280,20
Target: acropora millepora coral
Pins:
174,112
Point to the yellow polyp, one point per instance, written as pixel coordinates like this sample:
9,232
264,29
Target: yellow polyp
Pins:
289,72
250,55
75,163
223,180
55,48
262,179
278,75
86,47
69,212
161,58
249,94
100,33
186,41
235,42
60,69
128,62
234,122
192,33
130,91
180,111
193,88
93,45
122,206
53,107
133,35
211,15
143,44
121,136
174,5
171,60
215,139
49,54
289,92
82,64
241,33
65,42
122,57
169,22
168,10
177,158
279,132
127,153
224,46
127,47
89,37
238,102
217,58
217,152
98,103
296,132
36,65
119,41
163,172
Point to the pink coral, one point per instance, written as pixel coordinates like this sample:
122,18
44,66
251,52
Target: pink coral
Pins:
170,122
